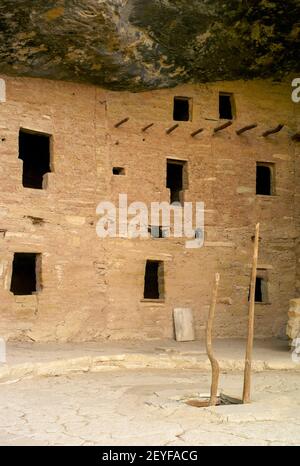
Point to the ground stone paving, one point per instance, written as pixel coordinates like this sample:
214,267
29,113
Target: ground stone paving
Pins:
146,407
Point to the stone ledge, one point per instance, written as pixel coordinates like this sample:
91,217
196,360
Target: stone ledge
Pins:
10,373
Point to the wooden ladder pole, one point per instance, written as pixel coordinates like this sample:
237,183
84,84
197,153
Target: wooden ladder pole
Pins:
249,348
215,369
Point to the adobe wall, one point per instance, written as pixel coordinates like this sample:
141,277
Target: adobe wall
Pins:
92,287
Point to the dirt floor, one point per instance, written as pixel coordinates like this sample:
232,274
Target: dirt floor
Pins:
146,407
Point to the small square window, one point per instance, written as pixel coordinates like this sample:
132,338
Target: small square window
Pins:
199,233
182,109
265,179
118,171
156,231
226,106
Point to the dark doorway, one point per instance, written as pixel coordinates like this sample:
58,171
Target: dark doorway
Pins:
175,179
24,273
153,285
34,150
264,181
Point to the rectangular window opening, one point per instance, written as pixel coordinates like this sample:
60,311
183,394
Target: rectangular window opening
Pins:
25,273
265,179
261,287
34,150
154,280
226,106
156,231
199,233
118,171
182,109
176,179
258,290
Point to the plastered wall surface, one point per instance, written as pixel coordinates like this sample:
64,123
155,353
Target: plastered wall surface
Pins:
92,288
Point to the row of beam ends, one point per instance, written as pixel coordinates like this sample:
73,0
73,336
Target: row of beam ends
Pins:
295,137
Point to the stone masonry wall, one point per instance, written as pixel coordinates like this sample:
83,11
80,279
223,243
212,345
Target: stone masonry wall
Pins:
92,288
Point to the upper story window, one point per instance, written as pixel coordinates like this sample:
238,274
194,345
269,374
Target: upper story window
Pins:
226,106
34,150
182,109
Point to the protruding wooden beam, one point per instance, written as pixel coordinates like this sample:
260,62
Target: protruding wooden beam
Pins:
147,127
296,137
169,130
223,126
245,128
272,131
121,122
198,131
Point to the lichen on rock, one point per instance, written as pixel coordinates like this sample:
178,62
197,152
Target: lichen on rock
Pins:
142,44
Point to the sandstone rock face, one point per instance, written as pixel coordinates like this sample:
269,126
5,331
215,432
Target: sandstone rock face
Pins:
293,326
141,44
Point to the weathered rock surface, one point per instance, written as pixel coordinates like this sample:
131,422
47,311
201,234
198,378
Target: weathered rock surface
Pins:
85,409
140,44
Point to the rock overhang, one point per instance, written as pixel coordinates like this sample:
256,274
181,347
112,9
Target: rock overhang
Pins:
148,44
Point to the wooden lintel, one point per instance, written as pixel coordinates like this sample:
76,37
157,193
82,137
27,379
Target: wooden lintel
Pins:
223,126
245,128
169,130
273,131
121,122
